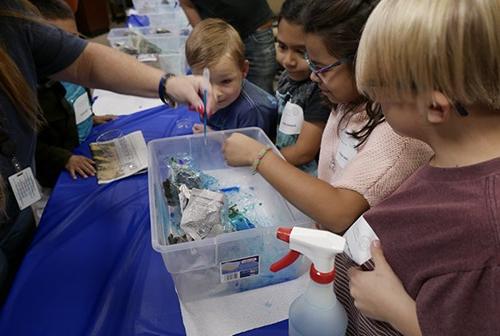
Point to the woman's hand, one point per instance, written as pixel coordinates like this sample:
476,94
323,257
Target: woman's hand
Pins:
189,90
241,150
81,165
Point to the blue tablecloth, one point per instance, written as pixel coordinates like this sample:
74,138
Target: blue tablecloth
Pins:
91,269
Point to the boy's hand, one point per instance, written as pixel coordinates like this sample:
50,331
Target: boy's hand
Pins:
98,120
379,294
81,165
198,128
241,150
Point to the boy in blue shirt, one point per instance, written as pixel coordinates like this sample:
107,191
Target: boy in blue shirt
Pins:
215,45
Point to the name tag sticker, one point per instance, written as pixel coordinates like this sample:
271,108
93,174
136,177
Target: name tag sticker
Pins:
25,188
359,238
292,119
82,108
346,149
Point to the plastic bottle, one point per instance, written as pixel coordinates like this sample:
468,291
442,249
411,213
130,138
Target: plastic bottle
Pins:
316,312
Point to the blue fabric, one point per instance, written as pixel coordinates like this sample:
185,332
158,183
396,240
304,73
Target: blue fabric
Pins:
90,269
253,108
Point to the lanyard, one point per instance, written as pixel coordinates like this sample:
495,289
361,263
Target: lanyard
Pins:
8,148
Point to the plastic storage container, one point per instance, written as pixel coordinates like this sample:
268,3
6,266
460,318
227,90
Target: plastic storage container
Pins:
118,37
230,262
147,40
152,5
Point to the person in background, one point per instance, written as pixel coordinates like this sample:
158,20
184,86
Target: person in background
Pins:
215,45
435,269
253,21
67,110
362,160
303,112
73,4
31,50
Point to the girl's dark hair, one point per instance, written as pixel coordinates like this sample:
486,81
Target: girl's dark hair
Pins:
291,10
339,24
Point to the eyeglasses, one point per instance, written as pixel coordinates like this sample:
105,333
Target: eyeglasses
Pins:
319,70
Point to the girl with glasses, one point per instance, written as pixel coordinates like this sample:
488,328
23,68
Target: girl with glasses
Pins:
361,159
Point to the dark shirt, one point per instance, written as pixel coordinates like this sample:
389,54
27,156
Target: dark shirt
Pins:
440,232
244,15
38,51
307,96
253,108
58,136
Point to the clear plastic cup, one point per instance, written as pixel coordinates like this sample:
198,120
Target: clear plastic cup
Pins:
110,135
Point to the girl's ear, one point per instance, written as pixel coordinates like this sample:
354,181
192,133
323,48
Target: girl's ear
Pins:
440,109
246,67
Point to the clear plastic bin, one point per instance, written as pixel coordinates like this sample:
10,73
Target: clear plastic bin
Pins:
174,62
154,5
167,43
212,266
147,40
117,37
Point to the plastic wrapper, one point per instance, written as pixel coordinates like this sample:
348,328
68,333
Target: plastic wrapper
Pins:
202,215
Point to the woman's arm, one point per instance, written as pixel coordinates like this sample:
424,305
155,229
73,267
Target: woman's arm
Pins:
105,68
334,209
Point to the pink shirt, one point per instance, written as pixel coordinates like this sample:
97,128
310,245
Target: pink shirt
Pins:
374,169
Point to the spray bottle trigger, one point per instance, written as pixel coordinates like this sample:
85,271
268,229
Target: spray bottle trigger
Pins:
285,261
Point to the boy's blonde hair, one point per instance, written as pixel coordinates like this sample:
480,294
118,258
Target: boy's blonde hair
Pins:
210,40
414,47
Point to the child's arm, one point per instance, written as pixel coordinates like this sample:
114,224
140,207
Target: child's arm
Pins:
198,128
379,295
191,12
335,209
307,146
98,120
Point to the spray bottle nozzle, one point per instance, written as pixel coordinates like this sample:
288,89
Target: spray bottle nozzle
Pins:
283,233
318,246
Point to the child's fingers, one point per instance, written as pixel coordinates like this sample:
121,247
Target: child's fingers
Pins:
378,254
87,167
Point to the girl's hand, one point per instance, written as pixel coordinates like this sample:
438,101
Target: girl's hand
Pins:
379,294
81,165
241,150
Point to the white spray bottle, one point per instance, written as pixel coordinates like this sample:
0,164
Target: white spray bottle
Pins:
316,312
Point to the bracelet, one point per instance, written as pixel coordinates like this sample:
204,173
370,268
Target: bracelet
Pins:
259,158
162,91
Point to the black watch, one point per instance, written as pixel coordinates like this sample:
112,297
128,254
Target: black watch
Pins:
162,92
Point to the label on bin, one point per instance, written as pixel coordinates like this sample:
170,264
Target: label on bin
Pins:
239,268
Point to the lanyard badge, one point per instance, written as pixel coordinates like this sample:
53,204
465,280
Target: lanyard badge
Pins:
23,182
